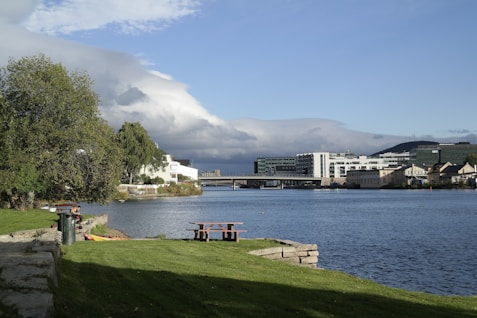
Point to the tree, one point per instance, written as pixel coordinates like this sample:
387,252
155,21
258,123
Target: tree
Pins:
54,144
471,158
138,150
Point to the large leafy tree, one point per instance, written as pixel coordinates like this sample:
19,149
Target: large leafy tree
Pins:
53,143
138,150
471,158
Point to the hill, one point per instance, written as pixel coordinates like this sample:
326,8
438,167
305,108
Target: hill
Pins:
405,146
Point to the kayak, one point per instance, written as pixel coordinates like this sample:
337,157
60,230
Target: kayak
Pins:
93,237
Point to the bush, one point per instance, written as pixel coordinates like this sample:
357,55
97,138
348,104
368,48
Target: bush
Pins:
184,189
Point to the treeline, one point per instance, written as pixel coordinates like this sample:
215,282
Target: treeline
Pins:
54,145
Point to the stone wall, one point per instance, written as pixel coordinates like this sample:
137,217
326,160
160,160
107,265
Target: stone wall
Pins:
292,252
28,268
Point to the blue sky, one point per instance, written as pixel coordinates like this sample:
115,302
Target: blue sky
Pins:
270,77
351,61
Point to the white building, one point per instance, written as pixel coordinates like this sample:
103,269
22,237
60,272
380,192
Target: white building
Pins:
340,165
335,165
314,164
169,173
396,159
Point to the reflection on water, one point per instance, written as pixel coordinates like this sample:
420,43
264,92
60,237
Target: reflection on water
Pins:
418,240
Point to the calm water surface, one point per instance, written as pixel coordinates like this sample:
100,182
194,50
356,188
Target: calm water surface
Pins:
418,240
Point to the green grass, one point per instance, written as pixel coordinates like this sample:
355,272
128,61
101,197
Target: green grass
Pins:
12,221
99,229
174,278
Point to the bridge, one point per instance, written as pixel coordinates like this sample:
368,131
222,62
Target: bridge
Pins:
260,179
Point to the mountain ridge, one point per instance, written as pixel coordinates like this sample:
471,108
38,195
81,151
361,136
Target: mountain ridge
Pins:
405,146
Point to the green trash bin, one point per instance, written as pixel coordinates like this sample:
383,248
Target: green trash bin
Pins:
68,229
60,221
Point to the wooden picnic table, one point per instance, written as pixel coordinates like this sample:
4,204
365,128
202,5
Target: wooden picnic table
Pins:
228,230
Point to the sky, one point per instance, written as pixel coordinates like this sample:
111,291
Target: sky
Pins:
222,82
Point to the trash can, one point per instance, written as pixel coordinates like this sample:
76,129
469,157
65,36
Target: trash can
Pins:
60,220
68,229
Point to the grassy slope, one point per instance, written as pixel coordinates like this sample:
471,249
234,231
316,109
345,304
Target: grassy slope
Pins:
173,278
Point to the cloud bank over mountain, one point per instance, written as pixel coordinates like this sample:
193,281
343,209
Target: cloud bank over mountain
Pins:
130,92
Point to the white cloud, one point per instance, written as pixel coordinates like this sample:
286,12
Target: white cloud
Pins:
292,136
71,16
17,10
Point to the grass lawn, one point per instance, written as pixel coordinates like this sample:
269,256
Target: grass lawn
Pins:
12,221
174,278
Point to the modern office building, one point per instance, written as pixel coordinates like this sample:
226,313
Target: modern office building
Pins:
275,166
335,165
395,159
339,166
314,164
428,155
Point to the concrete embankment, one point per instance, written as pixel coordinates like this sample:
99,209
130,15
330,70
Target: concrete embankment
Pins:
28,266
292,252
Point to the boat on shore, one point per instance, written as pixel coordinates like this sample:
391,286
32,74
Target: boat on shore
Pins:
93,237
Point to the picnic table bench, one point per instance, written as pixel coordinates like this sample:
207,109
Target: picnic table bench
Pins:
228,230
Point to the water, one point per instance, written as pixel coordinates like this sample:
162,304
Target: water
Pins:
412,239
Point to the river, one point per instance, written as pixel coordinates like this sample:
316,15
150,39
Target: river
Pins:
418,240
